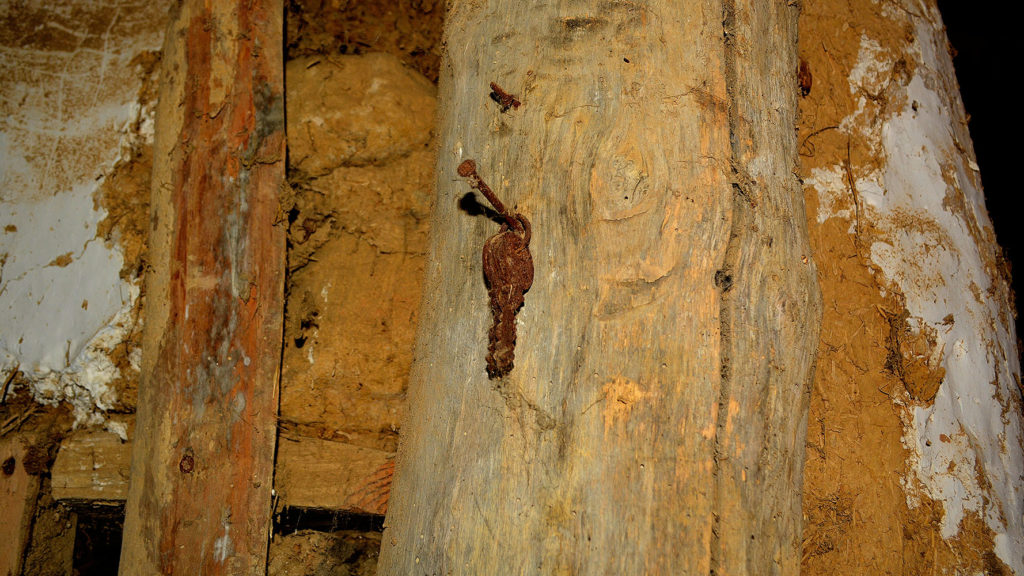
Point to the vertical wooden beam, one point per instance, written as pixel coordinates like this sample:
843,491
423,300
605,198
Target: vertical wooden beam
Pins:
199,500
673,314
18,492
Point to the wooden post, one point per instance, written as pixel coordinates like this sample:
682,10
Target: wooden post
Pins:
18,493
199,499
654,421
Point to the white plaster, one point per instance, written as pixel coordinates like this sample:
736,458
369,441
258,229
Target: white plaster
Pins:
14,168
57,323
45,324
926,248
943,273
829,184
145,117
869,76
68,119
835,199
119,429
135,359
309,347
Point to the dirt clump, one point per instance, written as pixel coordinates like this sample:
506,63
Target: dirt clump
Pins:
312,553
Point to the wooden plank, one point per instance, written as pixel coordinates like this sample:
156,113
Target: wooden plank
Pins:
315,473
311,473
91,466
199,501
18,492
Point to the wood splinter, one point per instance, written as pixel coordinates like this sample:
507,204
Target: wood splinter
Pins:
508,270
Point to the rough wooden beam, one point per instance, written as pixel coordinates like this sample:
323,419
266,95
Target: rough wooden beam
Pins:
18,491
310,473
770,309
91,466
200,496
314,473
654,419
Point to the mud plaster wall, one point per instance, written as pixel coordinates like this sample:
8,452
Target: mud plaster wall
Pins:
77,93
407,29
914,442
361,160
73,110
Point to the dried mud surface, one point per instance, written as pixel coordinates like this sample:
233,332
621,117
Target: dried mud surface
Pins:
310,553
407,29
870,365
361,164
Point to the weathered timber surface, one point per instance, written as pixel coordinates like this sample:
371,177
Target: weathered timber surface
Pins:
771,303
313,473
18,492
202,463
310,473
626,440
91,466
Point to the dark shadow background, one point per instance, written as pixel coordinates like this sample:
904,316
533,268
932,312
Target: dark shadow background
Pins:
988,66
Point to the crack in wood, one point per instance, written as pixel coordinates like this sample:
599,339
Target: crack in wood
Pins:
727,271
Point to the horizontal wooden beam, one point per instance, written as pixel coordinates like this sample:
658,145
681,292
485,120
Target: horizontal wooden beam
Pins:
314,473
91,466
310,473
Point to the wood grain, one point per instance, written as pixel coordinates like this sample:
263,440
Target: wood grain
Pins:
91,466
202,467
313,473
771,313
309,473
606,450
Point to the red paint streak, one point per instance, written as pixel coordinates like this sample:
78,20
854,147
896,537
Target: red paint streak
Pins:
218,232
